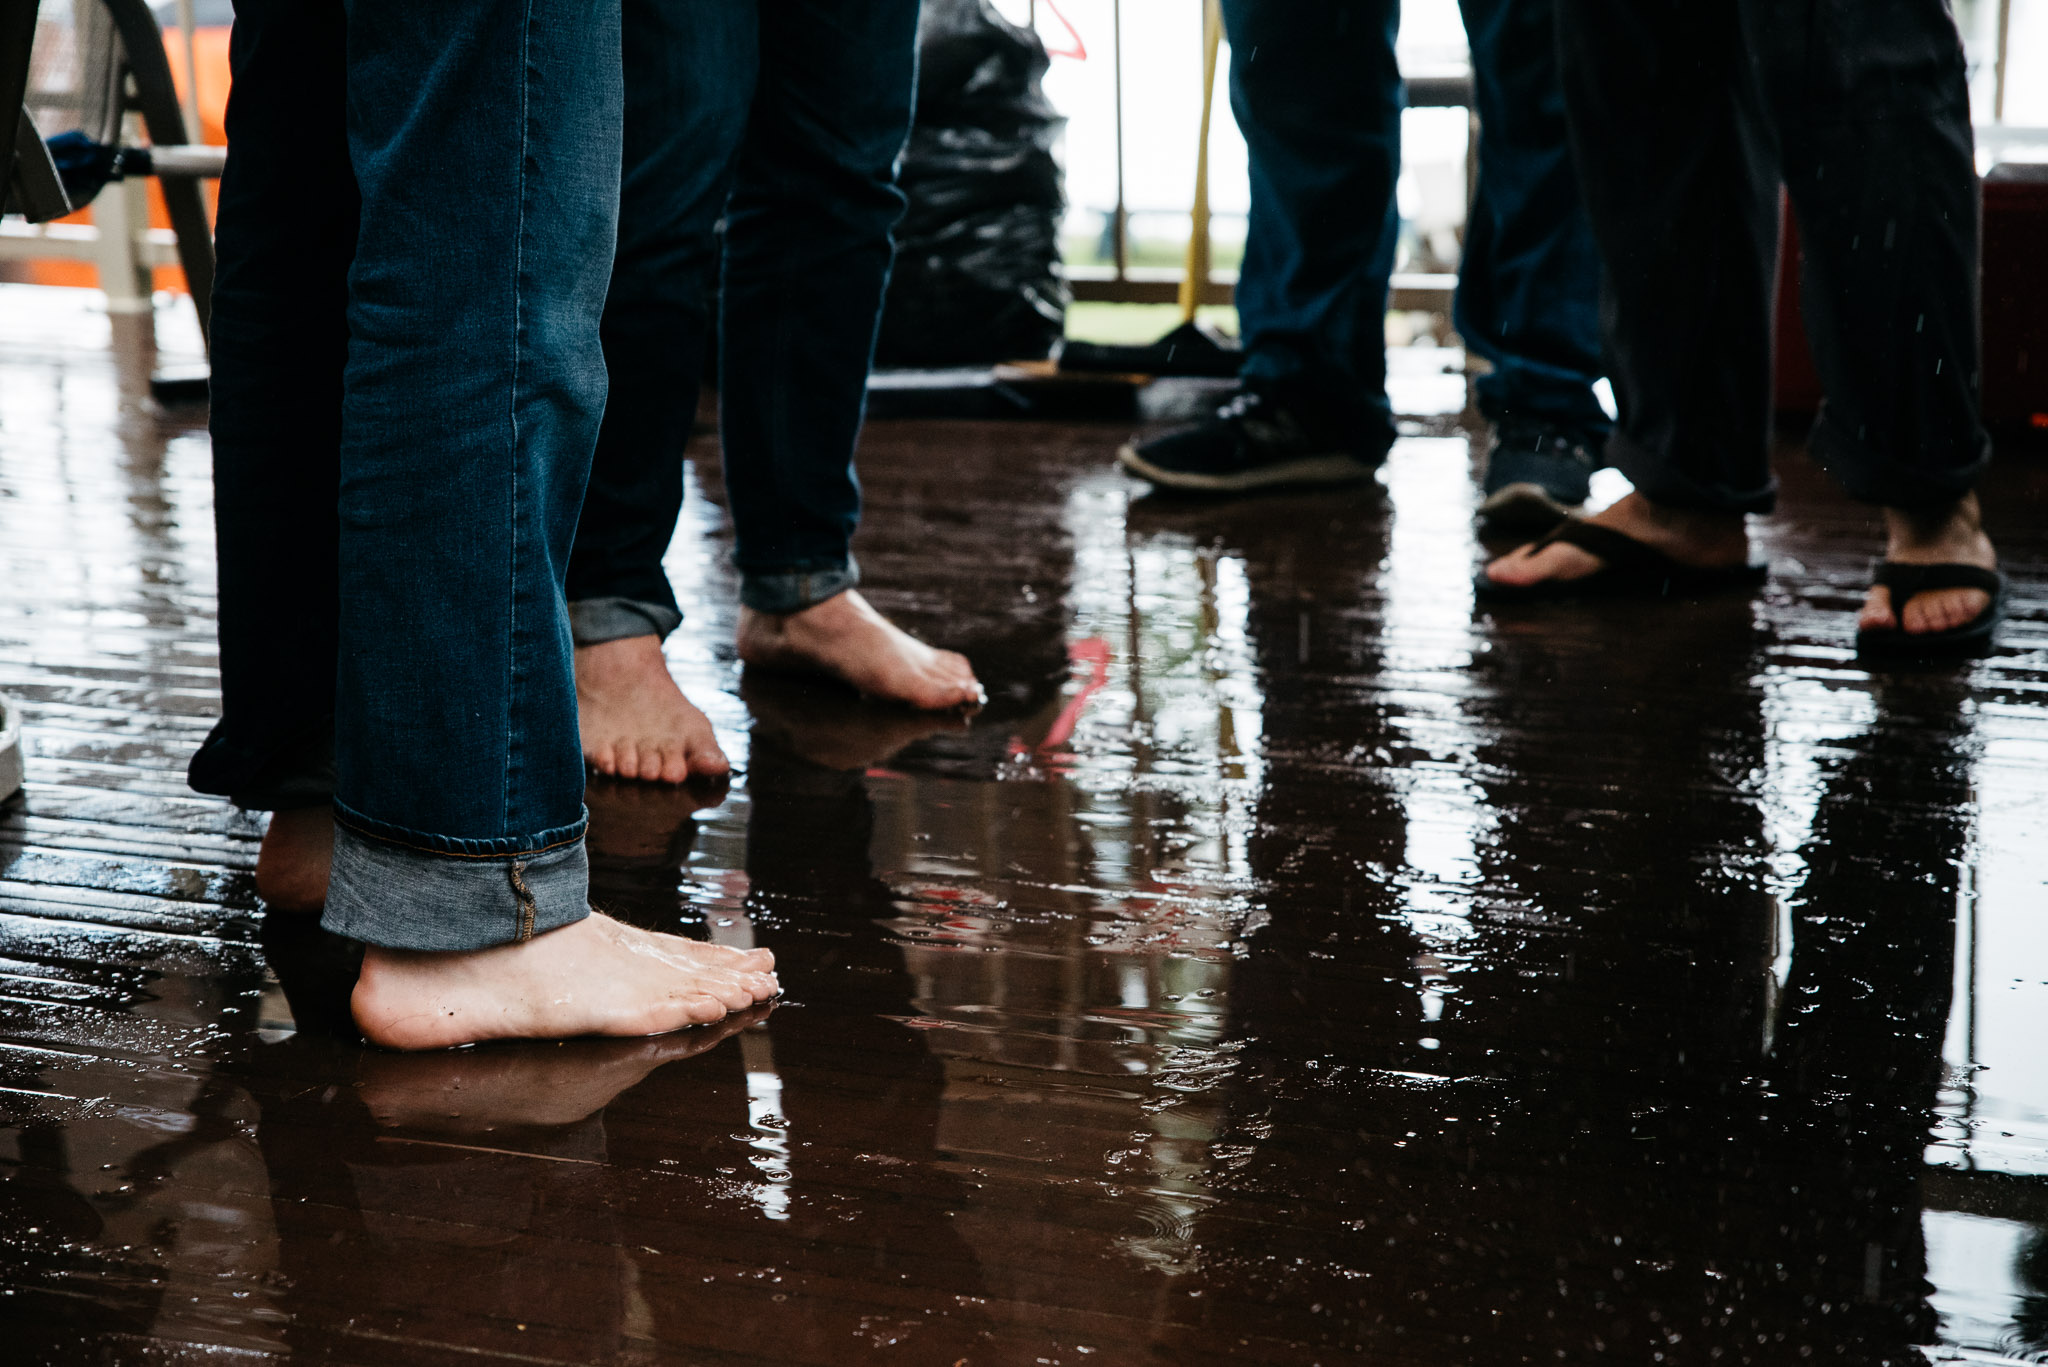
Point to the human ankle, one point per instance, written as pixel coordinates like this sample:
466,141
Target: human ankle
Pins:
1957,523
294,860
618,655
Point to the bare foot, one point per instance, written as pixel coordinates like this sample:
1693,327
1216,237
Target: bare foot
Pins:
1955,537
846,638
291,867
592,977
1701,540
635,722
475,1091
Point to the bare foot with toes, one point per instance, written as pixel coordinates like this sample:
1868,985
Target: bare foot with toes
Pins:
291,866
635,722
1955,537
1702,540
846,638
596,976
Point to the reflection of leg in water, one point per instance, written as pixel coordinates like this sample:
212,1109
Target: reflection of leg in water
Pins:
1858,1059
1475,1047
465,1198
858,1094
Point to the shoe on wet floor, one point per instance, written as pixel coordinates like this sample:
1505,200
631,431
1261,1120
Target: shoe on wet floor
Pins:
1255,441
1537,474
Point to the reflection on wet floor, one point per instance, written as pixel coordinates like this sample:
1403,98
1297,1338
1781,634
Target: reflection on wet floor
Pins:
1293,964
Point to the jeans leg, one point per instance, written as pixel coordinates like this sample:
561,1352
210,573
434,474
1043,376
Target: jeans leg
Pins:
485,137
1318,96
1873,114
285,235
807,253
1681,186
690,68
1529,288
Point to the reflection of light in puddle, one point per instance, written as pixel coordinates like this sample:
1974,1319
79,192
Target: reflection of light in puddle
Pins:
1804,719
771,1132
1078,953
770,1141
1428,636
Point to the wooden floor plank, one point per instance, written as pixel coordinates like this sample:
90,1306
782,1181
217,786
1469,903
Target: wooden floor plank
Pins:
1295,963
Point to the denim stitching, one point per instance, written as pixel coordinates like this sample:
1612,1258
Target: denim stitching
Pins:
527,907
339,820
518,355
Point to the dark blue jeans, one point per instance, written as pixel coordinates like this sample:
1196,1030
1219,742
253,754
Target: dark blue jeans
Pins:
785,120
414,239
1318,96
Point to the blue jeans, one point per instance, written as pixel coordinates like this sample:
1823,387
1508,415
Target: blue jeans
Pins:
415,235
785,120
1318,96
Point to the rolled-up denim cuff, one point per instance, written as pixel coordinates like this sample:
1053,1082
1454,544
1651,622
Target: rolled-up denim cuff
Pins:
1911,484
782,592
1660,478
407,896
593,621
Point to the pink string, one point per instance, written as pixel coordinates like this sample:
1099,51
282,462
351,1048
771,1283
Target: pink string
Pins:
1079,51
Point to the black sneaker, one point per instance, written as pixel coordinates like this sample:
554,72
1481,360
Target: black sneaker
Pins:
1537,475
1255,441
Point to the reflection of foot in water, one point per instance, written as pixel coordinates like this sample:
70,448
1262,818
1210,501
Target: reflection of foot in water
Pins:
596,976
475,1091
637,823
831,730
640,839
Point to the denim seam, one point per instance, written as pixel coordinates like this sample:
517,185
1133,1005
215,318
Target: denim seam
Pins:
528,908
354,829
518,357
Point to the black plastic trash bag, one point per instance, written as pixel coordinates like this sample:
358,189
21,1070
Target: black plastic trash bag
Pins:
976,277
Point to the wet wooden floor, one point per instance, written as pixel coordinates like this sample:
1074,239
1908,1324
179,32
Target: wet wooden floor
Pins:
1294,964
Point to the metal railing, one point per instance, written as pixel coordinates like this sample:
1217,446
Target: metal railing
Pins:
1120,282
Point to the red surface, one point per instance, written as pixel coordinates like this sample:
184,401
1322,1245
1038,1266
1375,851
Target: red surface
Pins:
2015,312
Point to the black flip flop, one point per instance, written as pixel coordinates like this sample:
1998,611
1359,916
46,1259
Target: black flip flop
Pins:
1971,639
1632,570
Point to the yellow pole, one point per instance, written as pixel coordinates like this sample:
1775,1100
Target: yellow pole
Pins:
1197,273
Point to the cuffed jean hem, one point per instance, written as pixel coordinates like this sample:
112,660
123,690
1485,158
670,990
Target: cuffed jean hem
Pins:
400,897
1889,483
1657,478
593,621
784,592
